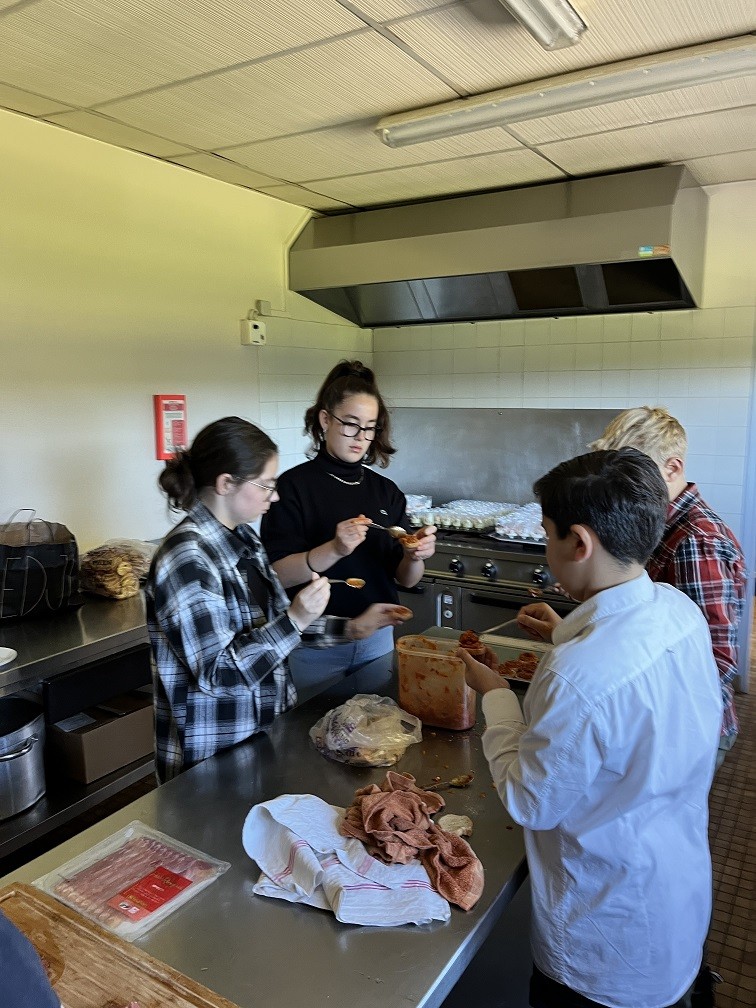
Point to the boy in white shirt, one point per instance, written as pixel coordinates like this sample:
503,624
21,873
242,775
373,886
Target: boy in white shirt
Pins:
609,769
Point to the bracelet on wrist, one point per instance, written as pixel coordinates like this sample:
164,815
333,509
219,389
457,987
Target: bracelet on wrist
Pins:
307,561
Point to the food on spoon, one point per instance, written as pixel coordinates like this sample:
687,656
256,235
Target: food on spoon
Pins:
403,612
470,642
355,582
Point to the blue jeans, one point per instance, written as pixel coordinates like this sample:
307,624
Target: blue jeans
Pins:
312,669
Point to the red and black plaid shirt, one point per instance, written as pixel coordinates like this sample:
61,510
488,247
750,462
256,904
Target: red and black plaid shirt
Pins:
699,555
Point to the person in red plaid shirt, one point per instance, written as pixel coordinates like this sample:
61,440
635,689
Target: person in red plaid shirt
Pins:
698,553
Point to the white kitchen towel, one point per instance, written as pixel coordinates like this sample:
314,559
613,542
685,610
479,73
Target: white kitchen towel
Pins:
304,859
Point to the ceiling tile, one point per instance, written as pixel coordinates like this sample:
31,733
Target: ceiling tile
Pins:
334,82
478,46
221,168
101,128
283,96
387,10
325,153
304,197
16,100
739,166
638,111
88,51
679,140
486,171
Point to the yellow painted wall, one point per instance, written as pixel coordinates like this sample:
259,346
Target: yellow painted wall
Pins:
121,277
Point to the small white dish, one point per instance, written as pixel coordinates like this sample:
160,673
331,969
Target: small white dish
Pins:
7,655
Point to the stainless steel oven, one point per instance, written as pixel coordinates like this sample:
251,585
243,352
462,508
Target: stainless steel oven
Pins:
474,582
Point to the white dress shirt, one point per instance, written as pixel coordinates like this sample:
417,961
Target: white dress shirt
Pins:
609,773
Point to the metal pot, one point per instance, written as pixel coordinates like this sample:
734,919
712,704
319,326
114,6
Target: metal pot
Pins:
22,744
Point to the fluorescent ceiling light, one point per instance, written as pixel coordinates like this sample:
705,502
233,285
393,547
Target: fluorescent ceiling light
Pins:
554,23
615,82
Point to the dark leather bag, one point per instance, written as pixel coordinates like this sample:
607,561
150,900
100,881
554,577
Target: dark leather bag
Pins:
39,569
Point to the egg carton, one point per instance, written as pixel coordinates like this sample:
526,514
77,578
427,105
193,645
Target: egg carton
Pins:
467,515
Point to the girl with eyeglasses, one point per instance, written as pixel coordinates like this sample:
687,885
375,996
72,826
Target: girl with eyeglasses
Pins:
323,518
221,626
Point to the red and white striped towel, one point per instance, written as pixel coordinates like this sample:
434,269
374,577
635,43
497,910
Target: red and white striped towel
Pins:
296,842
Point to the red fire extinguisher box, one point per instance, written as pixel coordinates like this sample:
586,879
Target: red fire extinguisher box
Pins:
170,425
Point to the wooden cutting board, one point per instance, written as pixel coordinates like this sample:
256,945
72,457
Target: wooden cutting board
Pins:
91,968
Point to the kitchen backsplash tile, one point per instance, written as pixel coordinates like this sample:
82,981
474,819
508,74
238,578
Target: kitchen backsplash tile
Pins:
696,363
707,325
536,385
512,333
644,355
643,386
590,329
645,327
563,331
739,323
675,325
737,351
536,357
562,357
616,356
511,360
617,328
675,381
589,356
487,334
616,383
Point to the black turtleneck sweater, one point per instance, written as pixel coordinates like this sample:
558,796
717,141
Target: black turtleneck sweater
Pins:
312,504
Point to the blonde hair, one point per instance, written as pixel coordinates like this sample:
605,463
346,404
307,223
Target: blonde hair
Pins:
650,429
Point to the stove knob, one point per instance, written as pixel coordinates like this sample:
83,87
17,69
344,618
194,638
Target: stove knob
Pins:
456,566
488,570
542,577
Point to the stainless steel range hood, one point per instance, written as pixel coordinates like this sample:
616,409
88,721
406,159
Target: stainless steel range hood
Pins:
633,241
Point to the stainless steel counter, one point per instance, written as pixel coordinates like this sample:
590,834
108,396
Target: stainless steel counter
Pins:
100,632
47,647
257,951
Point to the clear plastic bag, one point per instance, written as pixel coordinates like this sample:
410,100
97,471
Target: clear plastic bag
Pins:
116,568
367,730
132,879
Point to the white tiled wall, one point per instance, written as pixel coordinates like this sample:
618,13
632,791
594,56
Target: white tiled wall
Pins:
699,364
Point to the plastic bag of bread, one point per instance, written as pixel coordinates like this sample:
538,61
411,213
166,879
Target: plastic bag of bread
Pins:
116,568
367,730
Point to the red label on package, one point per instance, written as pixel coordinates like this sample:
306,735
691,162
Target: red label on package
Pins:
148,894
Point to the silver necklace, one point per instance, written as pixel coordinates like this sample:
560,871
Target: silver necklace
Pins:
348,482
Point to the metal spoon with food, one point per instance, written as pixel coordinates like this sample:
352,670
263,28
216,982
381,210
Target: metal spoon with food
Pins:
393,530
352,582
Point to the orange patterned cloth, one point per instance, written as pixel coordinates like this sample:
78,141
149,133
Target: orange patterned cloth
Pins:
394,822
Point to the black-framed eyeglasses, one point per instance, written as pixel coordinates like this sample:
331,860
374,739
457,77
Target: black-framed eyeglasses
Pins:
263,486
352,430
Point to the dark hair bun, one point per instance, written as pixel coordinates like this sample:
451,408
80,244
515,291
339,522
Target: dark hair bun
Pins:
351,369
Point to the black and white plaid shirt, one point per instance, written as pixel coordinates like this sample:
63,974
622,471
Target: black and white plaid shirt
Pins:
220,656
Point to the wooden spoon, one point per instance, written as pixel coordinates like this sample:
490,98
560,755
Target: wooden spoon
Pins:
352,582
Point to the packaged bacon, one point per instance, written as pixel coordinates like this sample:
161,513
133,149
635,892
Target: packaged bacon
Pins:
132,879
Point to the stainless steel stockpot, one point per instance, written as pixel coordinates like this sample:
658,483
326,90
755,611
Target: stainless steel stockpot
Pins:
22,745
